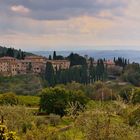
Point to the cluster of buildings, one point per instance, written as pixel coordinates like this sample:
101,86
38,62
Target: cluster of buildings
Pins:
107,63
10,66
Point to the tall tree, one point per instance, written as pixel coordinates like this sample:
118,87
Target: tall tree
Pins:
91,71
76,59
10,52
54,55
49,74
50,57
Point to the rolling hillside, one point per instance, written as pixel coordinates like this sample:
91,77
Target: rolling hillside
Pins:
4,50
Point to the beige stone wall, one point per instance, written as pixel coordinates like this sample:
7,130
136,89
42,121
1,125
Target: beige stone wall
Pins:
36,59
10,66
63,64
23,66
13,68
4,66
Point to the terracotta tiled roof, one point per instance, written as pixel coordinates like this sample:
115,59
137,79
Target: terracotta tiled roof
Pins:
53,61
7,58
109,62
34,57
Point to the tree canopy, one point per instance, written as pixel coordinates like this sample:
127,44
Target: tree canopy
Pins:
55,100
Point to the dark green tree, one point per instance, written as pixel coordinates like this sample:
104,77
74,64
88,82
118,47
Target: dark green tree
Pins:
76,59
50,74
8,99
10,52
54,55
50,57
91,71
56,100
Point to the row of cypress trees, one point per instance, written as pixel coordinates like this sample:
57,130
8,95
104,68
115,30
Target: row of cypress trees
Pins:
84,74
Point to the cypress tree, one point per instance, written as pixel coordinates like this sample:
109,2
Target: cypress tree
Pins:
49,74
50,57
54,55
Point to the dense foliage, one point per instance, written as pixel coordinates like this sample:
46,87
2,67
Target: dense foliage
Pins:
108,121
5,135
76,59
8,99
108,113
49,74
55,100
121,61
132,74
114,120
84,74
13,53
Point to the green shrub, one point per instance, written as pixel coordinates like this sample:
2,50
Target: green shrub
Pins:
136,97
55,100
16,117
9,99
134,117
126,93
7,135
101,122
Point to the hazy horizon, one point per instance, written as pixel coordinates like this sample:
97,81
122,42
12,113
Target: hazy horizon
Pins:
53,49
132,55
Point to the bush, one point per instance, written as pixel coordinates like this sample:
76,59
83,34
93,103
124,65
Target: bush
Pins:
8,99
16,117
132,74
55,100
6,135
126,93
136,97
134,117
100,122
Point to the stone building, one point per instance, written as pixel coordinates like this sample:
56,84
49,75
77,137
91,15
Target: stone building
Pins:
38,63
38,67
107,63
10,66
60,64
35,58
23,66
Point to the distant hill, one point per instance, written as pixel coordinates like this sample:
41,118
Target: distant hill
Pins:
132,55
4,51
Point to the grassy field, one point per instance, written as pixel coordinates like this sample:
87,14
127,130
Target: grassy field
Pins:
29,100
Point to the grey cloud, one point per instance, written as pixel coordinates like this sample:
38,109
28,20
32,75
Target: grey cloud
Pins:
61,9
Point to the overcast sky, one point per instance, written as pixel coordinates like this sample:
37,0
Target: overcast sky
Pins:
70,24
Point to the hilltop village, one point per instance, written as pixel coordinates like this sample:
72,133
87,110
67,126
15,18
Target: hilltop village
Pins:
10,66
57,69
